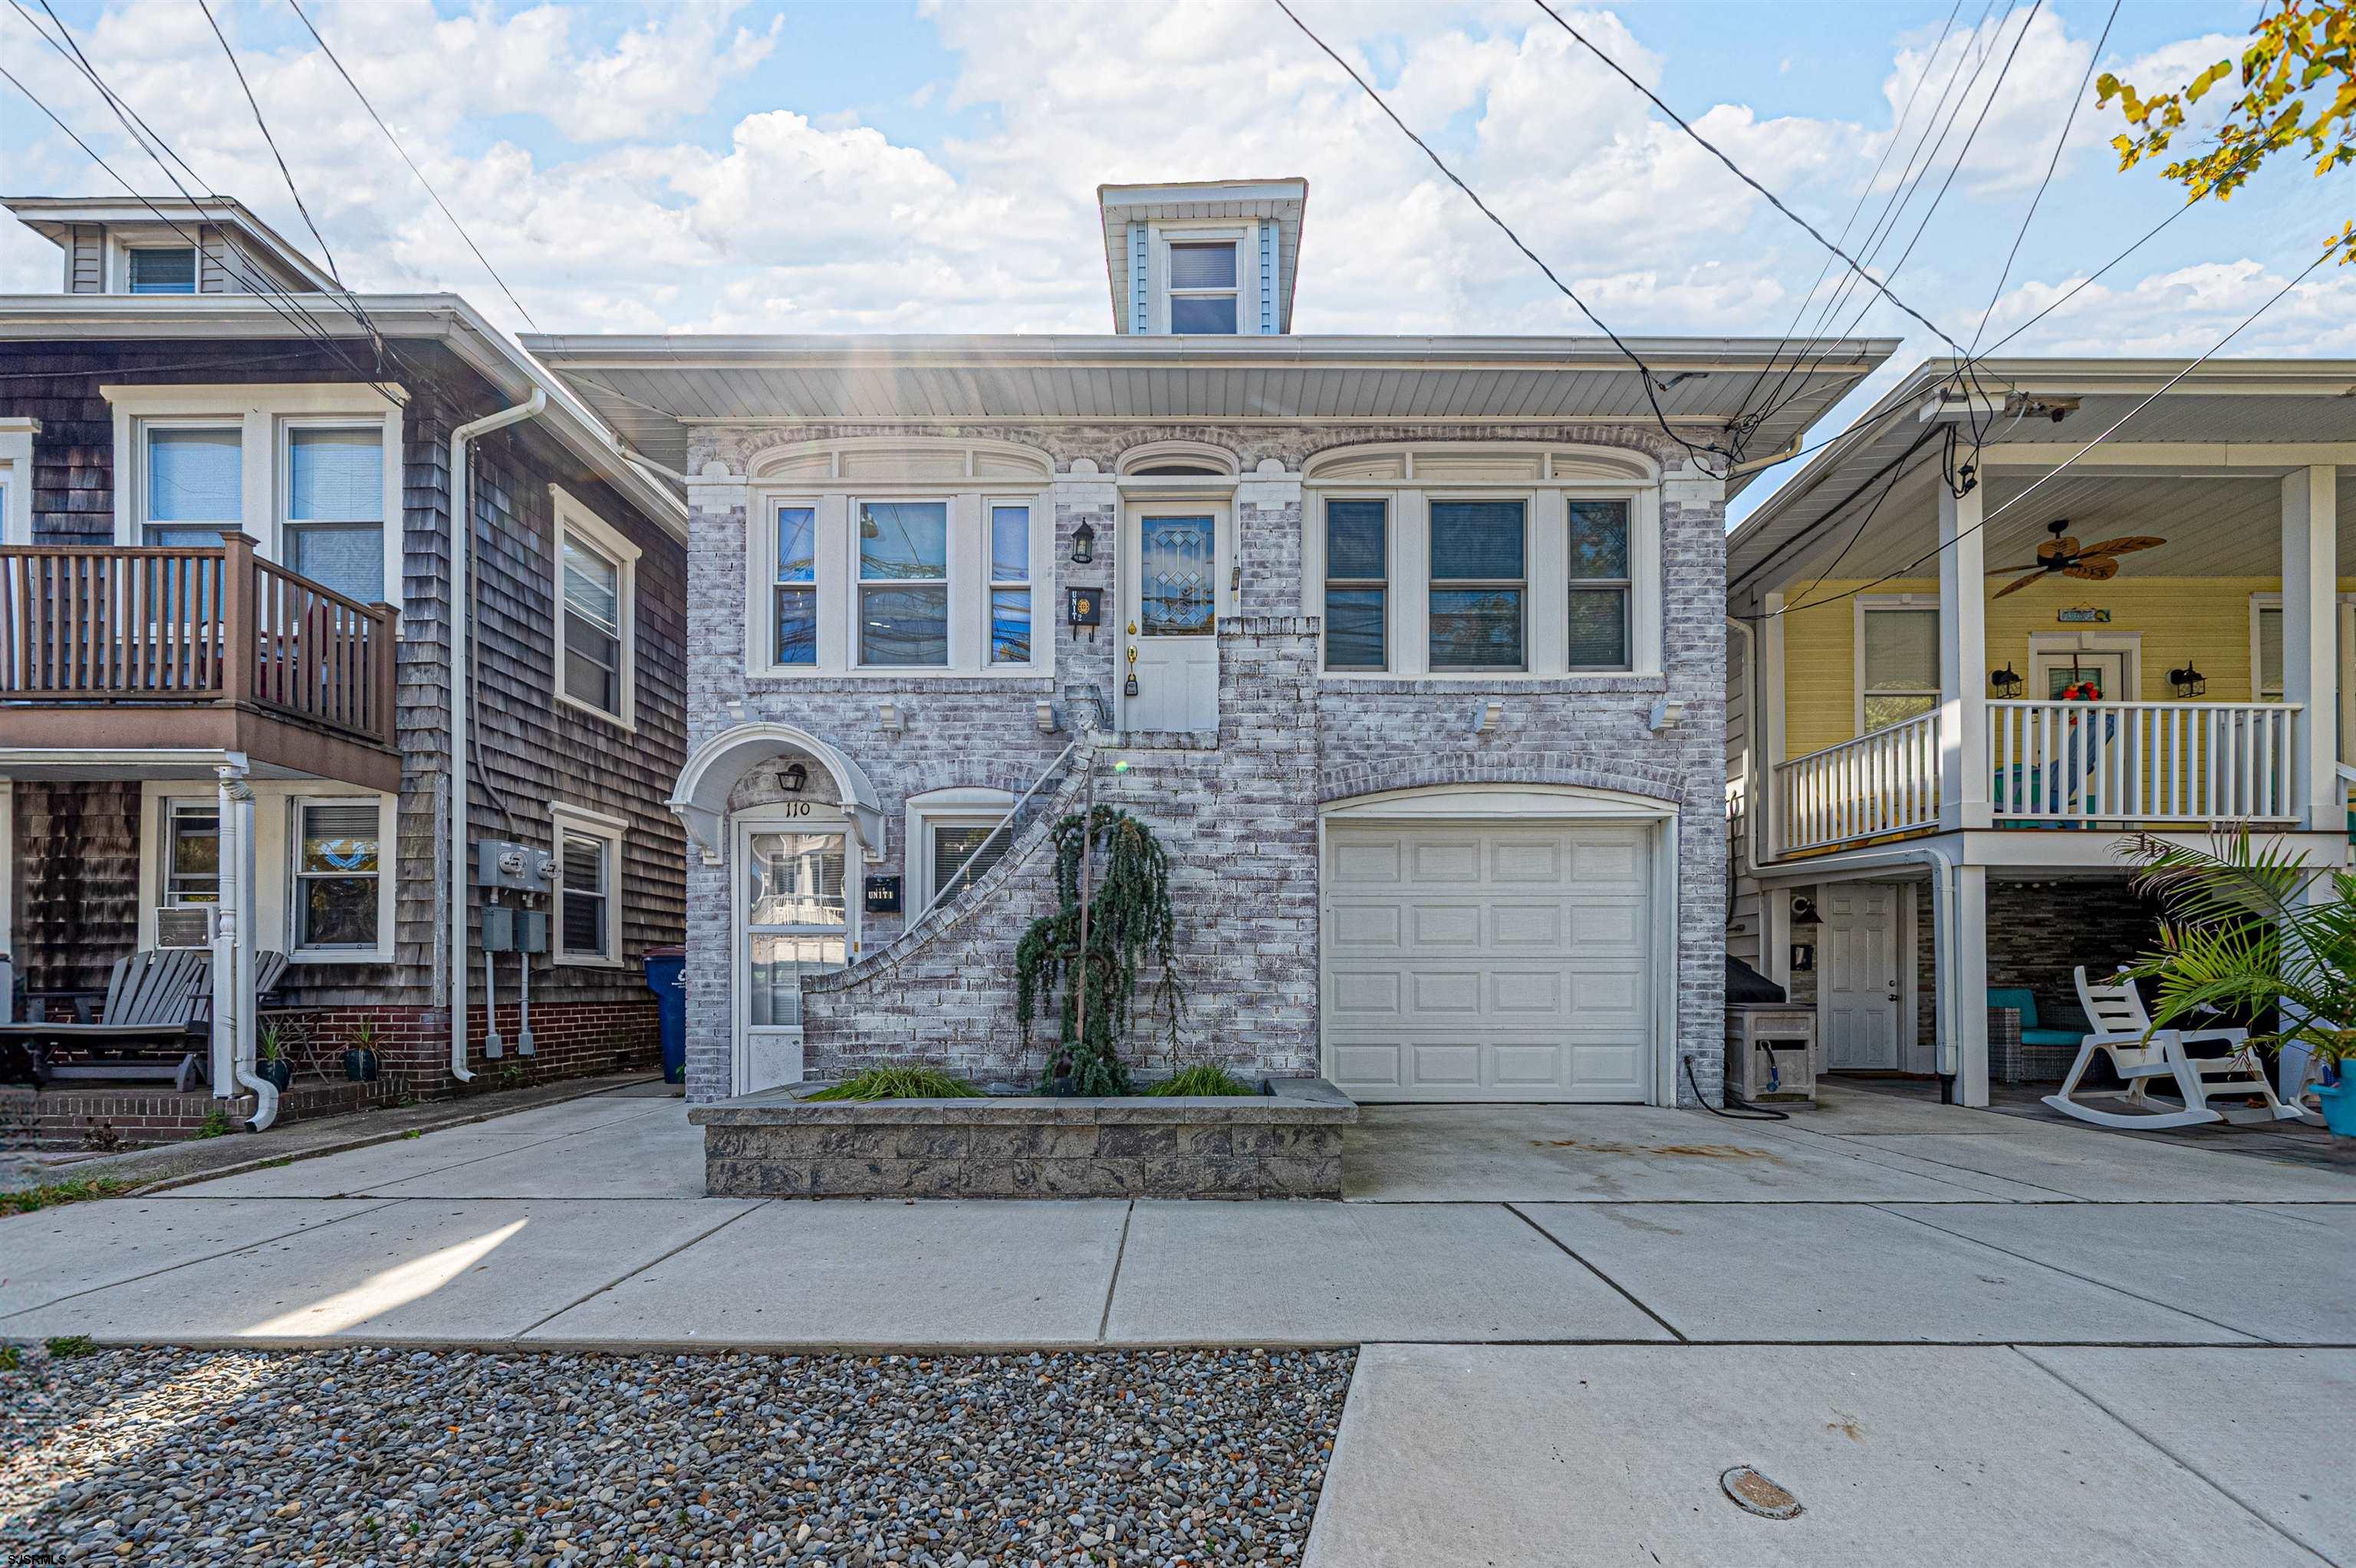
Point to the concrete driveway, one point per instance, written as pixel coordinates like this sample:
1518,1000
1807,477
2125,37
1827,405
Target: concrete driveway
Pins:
1924,1321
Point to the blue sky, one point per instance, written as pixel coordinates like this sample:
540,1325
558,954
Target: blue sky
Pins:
878,167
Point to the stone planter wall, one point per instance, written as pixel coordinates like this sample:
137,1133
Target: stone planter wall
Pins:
781,1144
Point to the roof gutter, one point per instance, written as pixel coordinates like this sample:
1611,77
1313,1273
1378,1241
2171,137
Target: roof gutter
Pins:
462,598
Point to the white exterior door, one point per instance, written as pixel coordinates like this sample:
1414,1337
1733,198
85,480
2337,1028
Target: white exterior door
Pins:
1170,590
1489,961
1860,980
793,920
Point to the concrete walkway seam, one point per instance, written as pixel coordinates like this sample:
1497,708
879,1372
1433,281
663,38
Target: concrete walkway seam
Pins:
627,1275
1120,1251
1625,1293
2173,1457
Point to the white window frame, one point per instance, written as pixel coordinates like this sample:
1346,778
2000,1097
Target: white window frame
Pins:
613,832
1244,236
992,584
951,581
282,484
1529,580
823,477
770,583
2347,644
1863,604
1319,503
571,516
259,411
959,805
165,809
126,249
276,846
388,846
1626,585
17,482
1557,475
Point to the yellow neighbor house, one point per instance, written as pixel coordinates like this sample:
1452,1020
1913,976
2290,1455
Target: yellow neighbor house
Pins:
1978,637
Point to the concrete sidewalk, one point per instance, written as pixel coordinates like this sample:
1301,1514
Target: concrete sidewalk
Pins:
2053,1344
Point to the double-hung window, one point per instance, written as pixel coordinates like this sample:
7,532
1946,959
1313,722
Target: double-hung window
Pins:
587,916
1479,584
1357,585
954,844
196,486
904,587
162,270
794,596
1009,584
596,611
334,508
1203,287
1597,565
1898,663
192,852
338,864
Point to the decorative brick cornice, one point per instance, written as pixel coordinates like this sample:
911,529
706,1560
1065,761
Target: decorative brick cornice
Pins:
1562,768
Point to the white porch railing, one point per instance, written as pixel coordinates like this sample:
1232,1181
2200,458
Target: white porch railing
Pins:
1887,782
2158,762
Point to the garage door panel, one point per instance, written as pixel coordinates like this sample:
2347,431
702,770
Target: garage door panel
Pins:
1480,962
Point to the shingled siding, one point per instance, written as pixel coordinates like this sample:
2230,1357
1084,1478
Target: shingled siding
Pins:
533,751
1239,816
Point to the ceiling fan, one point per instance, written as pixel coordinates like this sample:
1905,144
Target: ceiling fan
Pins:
2063,557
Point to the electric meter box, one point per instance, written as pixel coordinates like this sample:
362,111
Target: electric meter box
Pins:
513,868
507,930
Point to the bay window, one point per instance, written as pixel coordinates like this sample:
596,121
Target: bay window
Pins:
904,596
1478,586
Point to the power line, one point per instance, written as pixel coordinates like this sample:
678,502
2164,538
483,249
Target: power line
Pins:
413,169
1772,199
2055,471
1651,394
2052,164
283,303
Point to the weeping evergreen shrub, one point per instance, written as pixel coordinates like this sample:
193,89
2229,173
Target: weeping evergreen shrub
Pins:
1130,925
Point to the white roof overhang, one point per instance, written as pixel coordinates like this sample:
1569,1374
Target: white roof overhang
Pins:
655,390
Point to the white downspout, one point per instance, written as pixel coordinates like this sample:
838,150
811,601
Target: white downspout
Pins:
233,947
462,536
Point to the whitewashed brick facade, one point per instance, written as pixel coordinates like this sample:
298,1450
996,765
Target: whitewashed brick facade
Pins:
1239,816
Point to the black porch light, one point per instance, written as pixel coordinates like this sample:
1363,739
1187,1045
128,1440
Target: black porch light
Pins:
2005,683
793,777
1084,544
2187,681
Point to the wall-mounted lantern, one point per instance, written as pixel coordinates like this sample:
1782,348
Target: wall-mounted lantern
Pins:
1084,544
2187,681
793,777
2005,683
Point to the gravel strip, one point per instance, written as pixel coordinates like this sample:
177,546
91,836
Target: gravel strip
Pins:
382,1457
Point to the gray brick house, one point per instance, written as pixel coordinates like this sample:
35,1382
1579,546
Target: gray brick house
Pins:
1412,650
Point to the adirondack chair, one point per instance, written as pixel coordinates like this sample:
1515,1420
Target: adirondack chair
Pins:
2143,1056
155,1001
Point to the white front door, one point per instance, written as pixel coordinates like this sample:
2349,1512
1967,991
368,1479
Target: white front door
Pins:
2050,673
1860,977
1169,590
794,920
1496,961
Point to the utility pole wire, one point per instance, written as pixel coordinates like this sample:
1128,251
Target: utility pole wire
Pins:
1651,393
1736,169
413,169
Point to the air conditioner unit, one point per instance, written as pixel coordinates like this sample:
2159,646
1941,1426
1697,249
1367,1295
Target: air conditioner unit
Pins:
186,925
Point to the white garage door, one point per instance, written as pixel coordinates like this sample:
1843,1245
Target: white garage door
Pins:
1485,962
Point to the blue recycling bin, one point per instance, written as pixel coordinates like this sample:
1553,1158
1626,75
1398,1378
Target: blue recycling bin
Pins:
667,978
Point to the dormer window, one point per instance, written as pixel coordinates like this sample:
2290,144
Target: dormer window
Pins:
163,269
1203,287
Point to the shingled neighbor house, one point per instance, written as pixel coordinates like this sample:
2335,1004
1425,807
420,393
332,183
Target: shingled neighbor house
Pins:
226,612
1410,649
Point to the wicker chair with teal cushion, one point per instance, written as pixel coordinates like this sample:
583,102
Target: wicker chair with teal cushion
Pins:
2045,1053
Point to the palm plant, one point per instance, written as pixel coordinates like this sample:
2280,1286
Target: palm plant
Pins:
2251,931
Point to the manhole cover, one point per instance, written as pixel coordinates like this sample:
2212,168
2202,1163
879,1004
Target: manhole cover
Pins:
1755,1493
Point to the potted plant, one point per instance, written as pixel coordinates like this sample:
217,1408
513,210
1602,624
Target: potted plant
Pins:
2253,930
273,1067
359,1056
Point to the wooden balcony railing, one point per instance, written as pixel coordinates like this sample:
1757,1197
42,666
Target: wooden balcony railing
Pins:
1887,782
119,625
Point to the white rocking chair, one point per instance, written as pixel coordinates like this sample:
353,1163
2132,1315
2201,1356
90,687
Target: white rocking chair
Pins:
2142,1055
